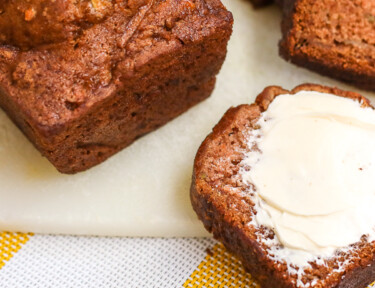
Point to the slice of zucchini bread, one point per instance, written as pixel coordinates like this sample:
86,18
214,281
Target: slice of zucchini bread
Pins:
253,218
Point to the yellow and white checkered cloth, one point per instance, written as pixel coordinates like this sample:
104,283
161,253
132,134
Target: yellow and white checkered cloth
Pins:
28,260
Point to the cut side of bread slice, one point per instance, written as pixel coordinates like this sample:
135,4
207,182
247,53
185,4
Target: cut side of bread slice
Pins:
333,38
222,201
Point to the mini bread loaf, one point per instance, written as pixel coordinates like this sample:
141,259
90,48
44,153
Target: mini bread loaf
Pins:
334,38
229,197
84,79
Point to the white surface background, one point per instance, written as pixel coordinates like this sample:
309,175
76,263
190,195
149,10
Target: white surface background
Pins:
144,190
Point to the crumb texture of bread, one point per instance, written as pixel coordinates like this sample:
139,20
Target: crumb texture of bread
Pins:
222,202
107,72
334,38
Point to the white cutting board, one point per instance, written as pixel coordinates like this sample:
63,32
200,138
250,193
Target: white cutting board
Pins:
144,190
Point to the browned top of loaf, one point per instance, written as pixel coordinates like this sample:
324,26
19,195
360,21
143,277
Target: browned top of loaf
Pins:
217,182
31,23
339,33
56,83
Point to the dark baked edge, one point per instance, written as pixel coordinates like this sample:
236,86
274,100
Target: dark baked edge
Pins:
321,66
262,3
212,205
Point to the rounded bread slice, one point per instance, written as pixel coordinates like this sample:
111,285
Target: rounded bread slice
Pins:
218,198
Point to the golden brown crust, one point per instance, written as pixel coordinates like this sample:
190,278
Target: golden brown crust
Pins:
269,93
216,196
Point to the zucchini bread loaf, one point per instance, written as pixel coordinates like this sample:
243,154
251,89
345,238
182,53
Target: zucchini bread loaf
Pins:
286,185
84,79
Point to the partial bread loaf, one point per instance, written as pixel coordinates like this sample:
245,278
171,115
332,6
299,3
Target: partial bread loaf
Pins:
334,38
